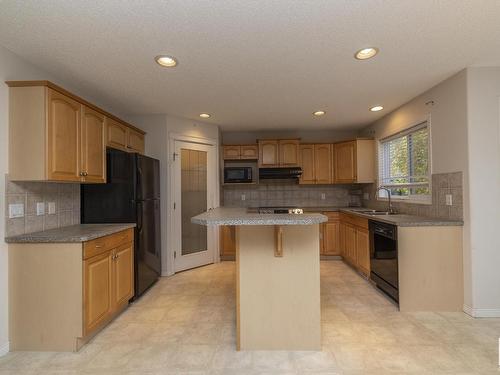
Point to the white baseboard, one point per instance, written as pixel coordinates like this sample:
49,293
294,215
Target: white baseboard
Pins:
4,348
481,313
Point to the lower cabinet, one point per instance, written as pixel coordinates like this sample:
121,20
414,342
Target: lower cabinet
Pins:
62,294
330,235
227,242
355,242
108,285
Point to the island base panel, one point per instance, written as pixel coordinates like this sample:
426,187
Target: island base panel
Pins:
278,297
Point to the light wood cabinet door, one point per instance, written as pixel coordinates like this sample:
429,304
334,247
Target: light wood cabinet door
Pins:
306,161
323,163
342,228
97,290
288,152
331,239
249,152
116,135
268,153
63,141
345,162
123,274
227,240
231,152
93,155
363,250
350,244
135,141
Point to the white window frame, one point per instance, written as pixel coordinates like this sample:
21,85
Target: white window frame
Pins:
427,199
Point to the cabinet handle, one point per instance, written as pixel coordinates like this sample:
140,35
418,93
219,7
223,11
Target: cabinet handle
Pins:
81,174
98,246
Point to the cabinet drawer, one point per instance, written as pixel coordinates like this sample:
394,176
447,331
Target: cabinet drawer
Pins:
354,220
103,244
332,216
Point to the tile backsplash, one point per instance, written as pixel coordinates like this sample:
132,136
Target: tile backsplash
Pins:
65,196
288,193
442,184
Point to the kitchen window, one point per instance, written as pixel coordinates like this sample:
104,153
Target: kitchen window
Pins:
404,165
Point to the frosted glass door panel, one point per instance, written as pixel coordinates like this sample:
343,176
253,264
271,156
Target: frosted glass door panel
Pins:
193,199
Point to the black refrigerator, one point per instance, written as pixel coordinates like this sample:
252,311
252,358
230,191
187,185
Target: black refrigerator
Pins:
130,195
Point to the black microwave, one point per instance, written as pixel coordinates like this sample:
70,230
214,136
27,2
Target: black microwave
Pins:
237,174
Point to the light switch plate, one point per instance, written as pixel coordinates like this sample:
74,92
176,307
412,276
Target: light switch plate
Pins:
40,208
449,199
366,196
243,197
323,196
16,210
51,208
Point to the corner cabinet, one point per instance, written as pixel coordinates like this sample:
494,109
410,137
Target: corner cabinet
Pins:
73,290
354,161
65,135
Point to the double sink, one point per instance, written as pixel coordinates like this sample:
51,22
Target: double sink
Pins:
375,212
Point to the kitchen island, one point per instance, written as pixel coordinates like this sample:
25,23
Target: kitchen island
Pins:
277,278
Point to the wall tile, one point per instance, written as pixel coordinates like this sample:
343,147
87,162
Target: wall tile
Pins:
442,184
65,196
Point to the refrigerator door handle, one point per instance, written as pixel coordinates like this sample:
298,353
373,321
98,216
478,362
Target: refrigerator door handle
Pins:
139,216
139,183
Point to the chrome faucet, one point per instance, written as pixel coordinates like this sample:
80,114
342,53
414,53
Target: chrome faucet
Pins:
390,210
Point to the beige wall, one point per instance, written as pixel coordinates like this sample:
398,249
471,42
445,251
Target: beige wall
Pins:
483,108
12,67
159,128
465,136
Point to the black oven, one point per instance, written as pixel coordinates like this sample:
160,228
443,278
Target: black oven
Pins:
237,174
384,258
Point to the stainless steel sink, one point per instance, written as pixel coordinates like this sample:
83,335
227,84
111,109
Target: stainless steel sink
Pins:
376,212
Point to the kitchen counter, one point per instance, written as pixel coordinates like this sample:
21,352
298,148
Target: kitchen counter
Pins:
403,220
240,216
70,234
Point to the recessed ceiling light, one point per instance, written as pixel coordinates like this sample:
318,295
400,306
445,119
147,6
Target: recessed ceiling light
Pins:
319,113
166,61
366,53
204,115
376,108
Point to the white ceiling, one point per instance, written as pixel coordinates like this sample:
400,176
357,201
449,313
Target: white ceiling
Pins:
255,64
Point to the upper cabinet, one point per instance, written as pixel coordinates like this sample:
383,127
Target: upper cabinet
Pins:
93,149
57,136
354,161
316,163
124,138
278,153
240,152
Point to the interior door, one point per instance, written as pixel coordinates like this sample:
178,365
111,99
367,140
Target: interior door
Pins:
194,190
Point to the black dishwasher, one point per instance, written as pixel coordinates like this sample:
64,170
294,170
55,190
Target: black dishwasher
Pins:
384,257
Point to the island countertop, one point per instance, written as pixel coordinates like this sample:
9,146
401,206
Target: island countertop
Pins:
240,216
70,234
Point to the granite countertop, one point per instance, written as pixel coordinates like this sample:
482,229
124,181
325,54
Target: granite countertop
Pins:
403,220
73,233
240,216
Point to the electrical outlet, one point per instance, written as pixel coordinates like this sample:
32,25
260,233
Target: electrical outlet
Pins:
16,210
51,208
40,208
366,196
243,197
323,196
449,199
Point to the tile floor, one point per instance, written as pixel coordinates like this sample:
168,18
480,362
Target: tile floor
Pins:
186,325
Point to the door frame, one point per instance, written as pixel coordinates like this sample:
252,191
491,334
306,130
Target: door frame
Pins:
172,138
